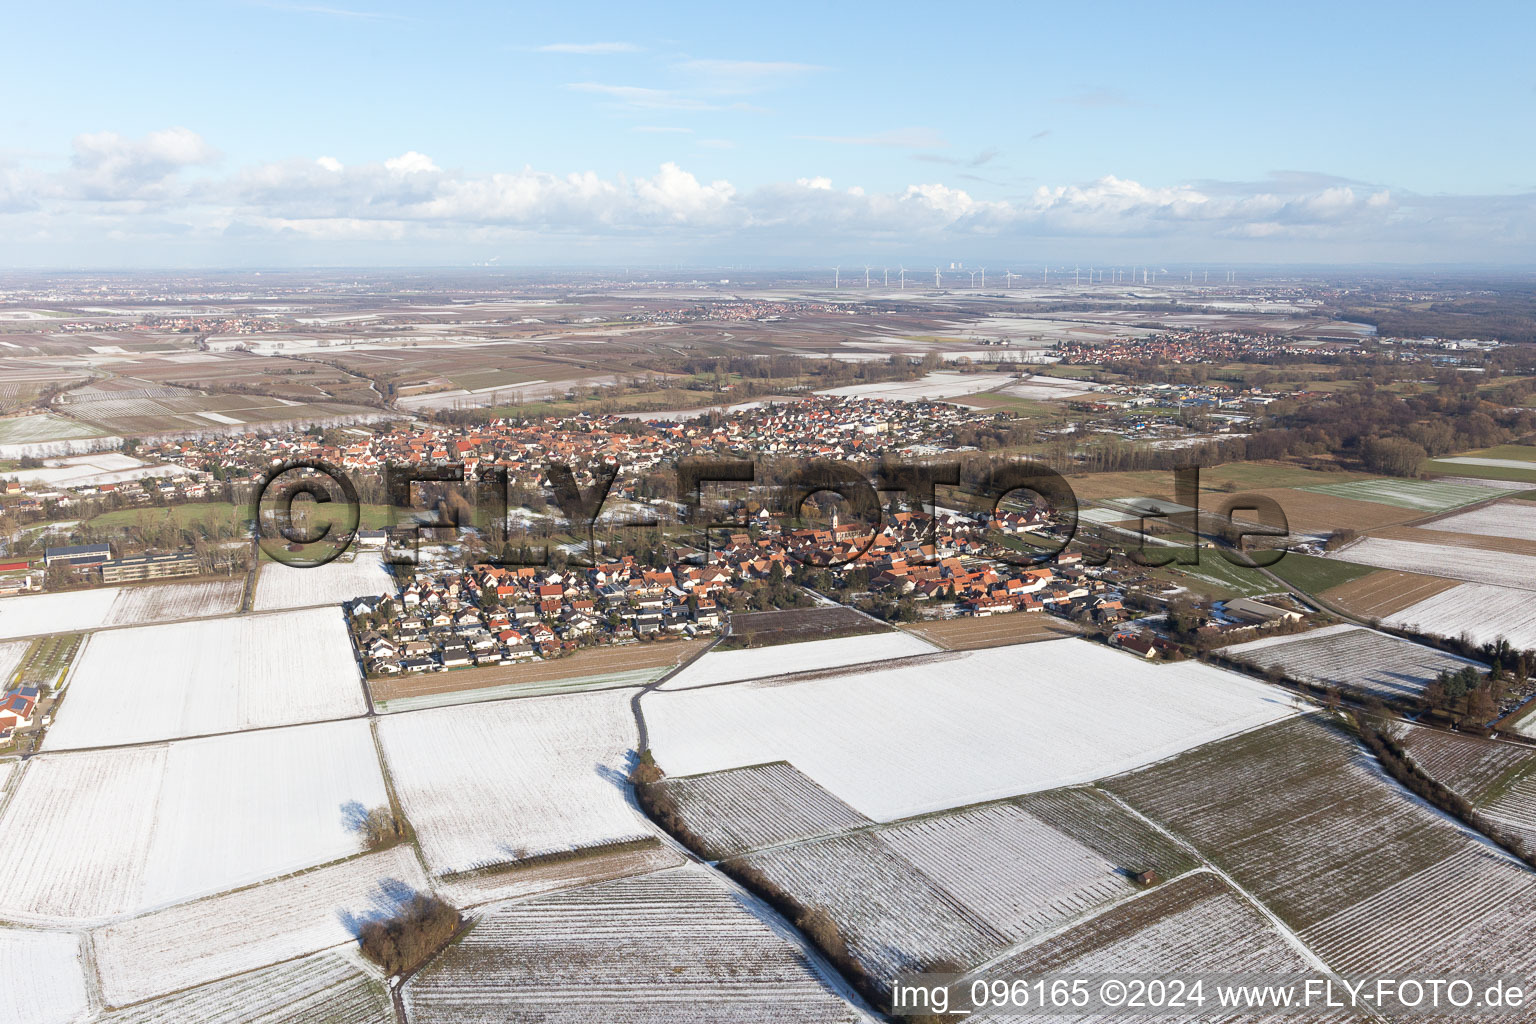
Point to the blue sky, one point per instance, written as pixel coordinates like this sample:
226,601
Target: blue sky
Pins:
243,133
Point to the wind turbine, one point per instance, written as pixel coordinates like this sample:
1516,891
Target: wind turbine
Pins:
1077,275
1008,278
903,278
887,272
983,277
835,281
973,279
936,283
866,275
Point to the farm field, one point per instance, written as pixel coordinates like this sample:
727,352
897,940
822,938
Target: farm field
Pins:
933,387
536,877
216,675
970,633
1195,924
1474,767
48,659
1089,816
1514,519
95,469
1321,510
1480,611
1468,912
892,916
656,949
595,668
253,927
992,723
1382,592
330,988
12,654
1348,656
1219,578
1295,794
1501,462
76,610
762,805
1421,495
284,586
161,410
1473,541
795,625
1014,871
1315,575
95,835
44,428
527,777
808,656
48,981
1458,563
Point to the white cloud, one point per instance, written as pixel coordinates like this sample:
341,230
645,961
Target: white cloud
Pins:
638,97
591,49
737,77
411,163
109,166
903,138
161,188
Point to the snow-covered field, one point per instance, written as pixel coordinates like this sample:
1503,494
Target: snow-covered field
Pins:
95,469
763,805
76,610
1008,867
933,387
902,740
1048,387
44,980
806,656
1469,460
252,928
1456,563
1504,519
671,947
1426,495
1197,923
487,784
1468,913
893,917
1347,655
1479,610
94,835
217,675
284,586
11,655
329,988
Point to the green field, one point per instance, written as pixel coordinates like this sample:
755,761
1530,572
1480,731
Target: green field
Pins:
1216,577
1513,452
1314,575
205,516
47,660
1215,481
